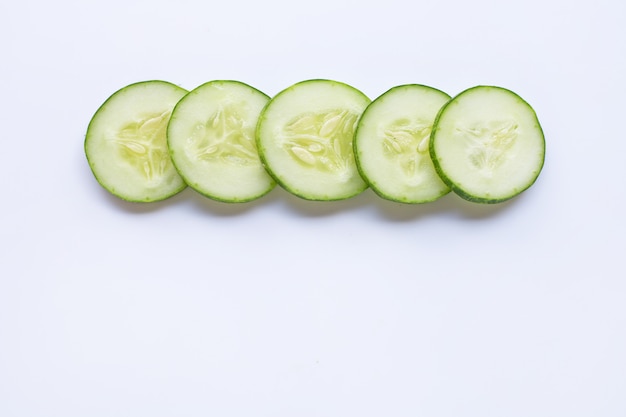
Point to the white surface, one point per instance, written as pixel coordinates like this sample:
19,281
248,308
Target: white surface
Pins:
291,308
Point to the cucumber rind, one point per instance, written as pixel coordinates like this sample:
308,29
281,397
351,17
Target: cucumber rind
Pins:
392,103
228,182
488,197
289,179
105,168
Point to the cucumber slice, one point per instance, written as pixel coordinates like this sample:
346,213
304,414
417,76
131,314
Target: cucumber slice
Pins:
487,144
304,136
391,144
211,137
126,146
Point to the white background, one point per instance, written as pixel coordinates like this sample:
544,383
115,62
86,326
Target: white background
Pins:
284,307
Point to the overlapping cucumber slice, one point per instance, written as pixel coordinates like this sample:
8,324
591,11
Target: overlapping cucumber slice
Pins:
392,141
211,137
487,144
305,135
126,144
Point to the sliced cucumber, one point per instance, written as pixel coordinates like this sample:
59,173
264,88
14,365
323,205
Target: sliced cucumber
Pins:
487,144
211,137
391,144
304,137
126,146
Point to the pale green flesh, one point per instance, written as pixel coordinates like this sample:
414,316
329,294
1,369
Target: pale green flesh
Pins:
211,137
488,144
126,142
305,139
391,144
